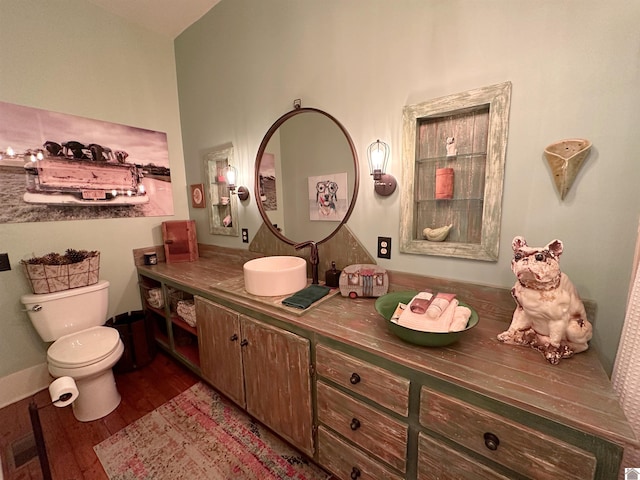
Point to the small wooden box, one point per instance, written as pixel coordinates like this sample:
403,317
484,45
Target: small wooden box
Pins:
180,241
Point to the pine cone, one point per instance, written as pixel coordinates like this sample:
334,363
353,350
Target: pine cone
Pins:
75,256
53,259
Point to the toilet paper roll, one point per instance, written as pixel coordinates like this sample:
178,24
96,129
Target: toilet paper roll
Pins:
63,391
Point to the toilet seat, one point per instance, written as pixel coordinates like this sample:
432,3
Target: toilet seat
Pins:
83,348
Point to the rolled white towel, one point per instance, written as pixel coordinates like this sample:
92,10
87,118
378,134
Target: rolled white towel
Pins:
444,320
439,304
461,317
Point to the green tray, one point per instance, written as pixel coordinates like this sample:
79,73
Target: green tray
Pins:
387,304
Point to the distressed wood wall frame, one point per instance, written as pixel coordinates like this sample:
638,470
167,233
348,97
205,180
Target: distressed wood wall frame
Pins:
478,162
221,204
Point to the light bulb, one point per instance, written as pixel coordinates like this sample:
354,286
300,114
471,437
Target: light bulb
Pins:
230,175
377,158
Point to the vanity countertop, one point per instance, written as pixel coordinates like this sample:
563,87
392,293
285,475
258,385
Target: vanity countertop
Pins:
576,393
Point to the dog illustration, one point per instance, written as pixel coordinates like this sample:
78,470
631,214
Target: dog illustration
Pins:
54,149
76,150
121,155
326,197
549,315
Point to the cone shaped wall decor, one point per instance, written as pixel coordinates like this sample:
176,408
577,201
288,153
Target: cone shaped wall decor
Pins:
565,158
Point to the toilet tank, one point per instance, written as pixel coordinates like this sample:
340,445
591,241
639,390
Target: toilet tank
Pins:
61,313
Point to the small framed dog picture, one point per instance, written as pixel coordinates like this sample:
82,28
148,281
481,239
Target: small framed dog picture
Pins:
197,196
328,197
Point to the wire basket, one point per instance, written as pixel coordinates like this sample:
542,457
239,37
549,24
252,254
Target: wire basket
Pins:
55,278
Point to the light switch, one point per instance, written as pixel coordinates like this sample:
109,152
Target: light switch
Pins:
4,262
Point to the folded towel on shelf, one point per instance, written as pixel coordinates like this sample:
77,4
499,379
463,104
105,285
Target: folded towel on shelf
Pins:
187,311
155,298
305,297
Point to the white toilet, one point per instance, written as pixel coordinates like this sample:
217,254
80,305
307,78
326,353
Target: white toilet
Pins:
83,349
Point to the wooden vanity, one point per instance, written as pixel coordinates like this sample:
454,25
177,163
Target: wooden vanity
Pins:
338,385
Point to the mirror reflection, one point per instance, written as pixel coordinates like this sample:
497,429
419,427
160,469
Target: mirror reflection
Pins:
306,176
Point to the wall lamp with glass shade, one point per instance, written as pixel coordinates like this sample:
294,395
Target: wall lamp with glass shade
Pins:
378,155
231,176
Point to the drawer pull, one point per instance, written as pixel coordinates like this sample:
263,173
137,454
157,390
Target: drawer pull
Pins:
491,441
234,337
244,343
355,378
355,473
355,424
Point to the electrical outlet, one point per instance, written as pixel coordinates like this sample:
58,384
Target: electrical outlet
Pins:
245,235
384,247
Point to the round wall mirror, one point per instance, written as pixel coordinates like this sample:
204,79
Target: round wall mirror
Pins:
306,177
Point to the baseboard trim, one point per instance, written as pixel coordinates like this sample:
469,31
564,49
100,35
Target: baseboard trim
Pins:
19,385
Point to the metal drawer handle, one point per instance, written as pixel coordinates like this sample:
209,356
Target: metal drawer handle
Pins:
355,473
234,337
355,378
355,424
491,441
244,343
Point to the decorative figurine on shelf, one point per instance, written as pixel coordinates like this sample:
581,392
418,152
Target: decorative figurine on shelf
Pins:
452,151
437,234
549,315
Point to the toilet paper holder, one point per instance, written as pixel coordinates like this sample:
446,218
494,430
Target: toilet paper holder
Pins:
63,391
63,398
36,426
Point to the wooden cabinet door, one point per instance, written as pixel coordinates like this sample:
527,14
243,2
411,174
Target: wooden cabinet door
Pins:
219,340
278,381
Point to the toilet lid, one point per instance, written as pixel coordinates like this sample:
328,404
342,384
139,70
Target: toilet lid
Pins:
85,347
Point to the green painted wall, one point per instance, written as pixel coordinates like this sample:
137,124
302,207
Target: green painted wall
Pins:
69,56
575,73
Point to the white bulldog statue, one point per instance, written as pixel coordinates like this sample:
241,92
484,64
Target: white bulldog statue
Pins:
550,315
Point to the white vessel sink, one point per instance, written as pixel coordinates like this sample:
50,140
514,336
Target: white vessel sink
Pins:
275,276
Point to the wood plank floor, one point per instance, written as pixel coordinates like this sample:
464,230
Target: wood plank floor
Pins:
69,442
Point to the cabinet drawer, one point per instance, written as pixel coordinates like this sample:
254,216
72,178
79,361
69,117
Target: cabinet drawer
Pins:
436,460
380,385
515,446
376,432
347,462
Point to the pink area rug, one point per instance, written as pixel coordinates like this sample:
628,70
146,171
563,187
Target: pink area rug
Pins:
201,435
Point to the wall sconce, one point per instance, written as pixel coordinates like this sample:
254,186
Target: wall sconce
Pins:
378,154
230,176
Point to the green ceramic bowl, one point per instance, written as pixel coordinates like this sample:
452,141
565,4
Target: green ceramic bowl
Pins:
387,304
